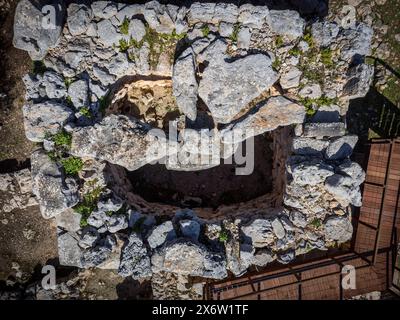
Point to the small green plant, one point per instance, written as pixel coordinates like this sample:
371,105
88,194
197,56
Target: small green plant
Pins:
279,41
86,112
68,82
370,61
223,236
69,102
38,67
295,52
53,155
103,103
326,57
123,45
62,139
316,223
72,165
205,30
308,38
234,36
88,204
124,28
276,64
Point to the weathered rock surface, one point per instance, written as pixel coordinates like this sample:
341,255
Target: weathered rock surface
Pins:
185,85
338,229
341,148
311,172
135,261
37,26
269,115
309,146
345,189
161,234
188,258
54,192
229,86
44,118
119,140
287,23
259,232
78,18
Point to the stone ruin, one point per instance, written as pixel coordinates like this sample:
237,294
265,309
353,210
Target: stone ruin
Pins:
113,72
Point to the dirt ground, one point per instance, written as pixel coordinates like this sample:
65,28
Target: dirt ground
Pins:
14,63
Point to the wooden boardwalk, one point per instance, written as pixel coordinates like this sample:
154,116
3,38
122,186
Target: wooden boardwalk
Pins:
373,251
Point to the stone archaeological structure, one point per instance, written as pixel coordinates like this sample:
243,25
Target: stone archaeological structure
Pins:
108,74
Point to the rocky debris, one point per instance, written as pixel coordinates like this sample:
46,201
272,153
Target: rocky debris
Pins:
185,84
344,189
16,188
99,254
55,193
44,118
171,286
341,148
104,9
263,257
185,257
259,233
35,30
78,18
227,87
79,93
52,85
286,257
269,115
291,78
312,91
135,261
69,251
338,229
119,140
327,114
253,16
160,234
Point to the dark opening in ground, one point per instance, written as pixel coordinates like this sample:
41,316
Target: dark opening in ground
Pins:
207,188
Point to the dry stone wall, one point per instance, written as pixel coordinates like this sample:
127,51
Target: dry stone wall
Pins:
255,69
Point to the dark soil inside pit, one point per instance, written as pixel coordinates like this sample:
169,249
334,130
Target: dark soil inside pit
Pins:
207,188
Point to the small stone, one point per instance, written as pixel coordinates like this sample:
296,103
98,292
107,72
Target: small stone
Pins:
190,229
278,229
78,91
161,234
319,130
311,91
341,148
338,229
134,259
309,146
78,18
291,78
